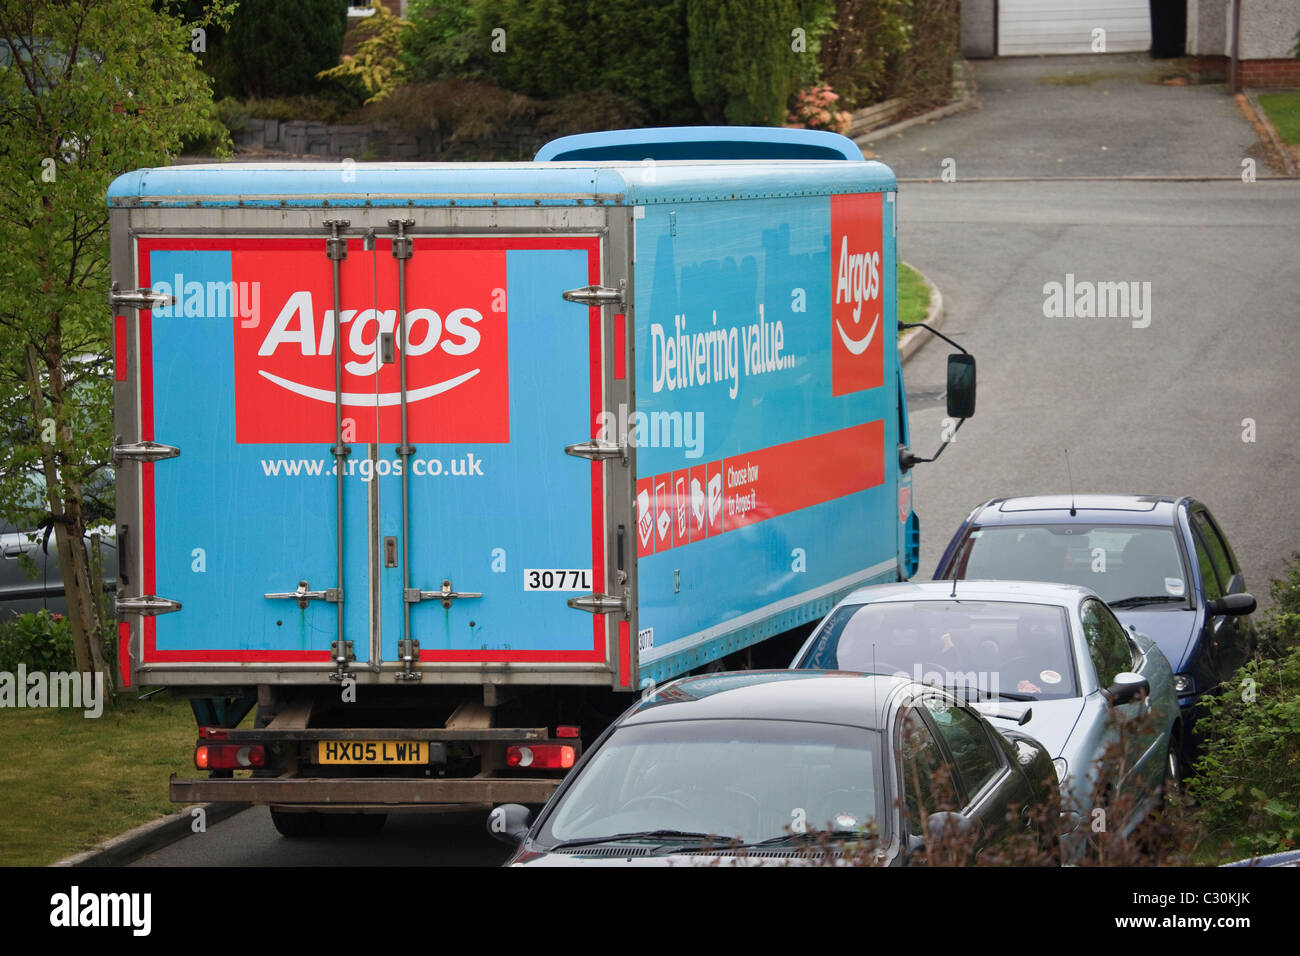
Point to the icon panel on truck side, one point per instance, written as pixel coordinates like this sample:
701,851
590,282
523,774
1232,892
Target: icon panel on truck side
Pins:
857,301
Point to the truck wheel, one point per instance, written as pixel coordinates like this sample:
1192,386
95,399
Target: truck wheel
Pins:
354,824
293,824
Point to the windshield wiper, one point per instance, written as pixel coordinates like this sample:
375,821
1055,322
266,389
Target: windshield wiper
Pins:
1018,697
1139,599
811,836
642,835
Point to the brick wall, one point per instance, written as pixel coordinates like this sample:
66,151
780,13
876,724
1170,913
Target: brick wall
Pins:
1270,74
1260,74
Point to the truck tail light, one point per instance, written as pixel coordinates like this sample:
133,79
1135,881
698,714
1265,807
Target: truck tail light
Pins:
540,756
568,731
227,756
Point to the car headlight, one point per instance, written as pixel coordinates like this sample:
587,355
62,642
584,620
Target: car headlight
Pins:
1184,684
1061,766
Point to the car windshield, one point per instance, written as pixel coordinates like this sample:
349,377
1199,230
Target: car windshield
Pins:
1133,564
978,648
746,780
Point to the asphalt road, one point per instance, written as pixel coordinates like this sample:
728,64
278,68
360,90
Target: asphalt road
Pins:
1152,410
408,839
1079,116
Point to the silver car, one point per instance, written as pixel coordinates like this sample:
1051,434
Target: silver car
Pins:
1049,660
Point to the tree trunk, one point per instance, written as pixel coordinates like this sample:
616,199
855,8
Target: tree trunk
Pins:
81,591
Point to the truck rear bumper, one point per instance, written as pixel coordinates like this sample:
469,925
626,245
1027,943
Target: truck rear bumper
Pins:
348,791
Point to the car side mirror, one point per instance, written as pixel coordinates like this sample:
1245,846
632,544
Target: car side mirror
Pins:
509,823
946,823
1234,604
1127,687
961,386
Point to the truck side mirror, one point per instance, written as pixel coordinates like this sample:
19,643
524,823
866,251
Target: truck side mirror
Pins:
961,386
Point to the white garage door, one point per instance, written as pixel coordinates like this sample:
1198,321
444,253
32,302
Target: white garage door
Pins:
1030,27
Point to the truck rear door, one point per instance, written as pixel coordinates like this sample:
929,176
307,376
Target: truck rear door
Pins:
283,523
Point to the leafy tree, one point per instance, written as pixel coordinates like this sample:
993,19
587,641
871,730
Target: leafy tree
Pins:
743,66
90,89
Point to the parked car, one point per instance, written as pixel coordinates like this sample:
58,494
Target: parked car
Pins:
748,765
20,592
1162,564
1082,681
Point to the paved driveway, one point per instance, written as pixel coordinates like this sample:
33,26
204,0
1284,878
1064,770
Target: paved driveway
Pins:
1079,116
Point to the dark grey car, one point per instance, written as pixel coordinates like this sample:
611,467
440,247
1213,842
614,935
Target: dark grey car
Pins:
746,765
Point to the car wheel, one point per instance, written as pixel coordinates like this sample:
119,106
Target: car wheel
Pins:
1173,782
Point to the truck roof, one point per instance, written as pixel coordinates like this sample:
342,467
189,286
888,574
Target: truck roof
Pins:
619,183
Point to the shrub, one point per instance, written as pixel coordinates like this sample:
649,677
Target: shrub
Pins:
869,36
377,64
1248,778
279,46
814,108
462,111
320,109
558,48
587,112
443,41
41,641
1281,628
743,70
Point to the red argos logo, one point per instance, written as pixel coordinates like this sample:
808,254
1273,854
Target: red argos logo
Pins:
456,355
857,305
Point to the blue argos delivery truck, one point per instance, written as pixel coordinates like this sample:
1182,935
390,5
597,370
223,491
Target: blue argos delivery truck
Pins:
435,465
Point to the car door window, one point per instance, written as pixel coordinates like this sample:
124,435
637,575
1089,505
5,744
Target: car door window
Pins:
928,784
1107,646
1215,547
1209,576
972,751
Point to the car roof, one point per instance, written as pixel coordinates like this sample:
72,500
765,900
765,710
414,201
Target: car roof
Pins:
828,697
1093,509
1025,592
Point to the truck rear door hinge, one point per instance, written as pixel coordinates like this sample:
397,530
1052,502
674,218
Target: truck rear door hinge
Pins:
446,595
597,449
596,295
599,604
143,451
303,595
140,299
147,605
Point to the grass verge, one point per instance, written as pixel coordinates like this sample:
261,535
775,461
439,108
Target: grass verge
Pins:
913,295
1283,111
68,782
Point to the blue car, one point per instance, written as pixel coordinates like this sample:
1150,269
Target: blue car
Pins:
1162,563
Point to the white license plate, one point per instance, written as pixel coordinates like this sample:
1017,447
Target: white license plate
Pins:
557,579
